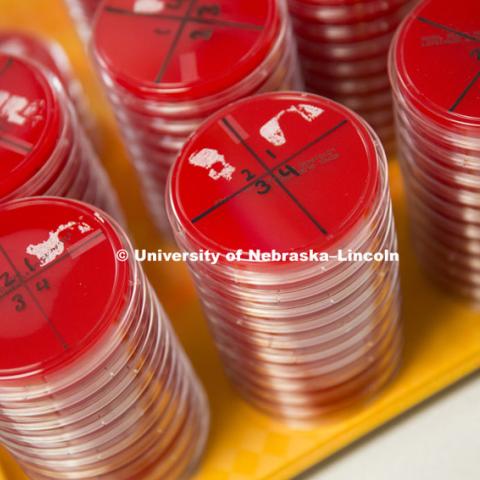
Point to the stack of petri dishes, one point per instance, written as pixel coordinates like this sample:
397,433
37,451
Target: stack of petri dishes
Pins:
435,73
93,382
343,47
82,13
43,147
169,65
285,188
51,56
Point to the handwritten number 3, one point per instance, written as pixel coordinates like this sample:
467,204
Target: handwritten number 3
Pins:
263,187
20,302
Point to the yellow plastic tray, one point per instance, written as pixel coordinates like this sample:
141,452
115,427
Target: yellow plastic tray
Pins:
442,333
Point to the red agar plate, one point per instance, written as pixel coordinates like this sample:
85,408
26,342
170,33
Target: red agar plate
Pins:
284,171
49,55
60,284
29,122
438,61
183,49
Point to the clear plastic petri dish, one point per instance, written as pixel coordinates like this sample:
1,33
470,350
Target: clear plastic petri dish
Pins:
437,130
43,146
288,173
82,323
167,66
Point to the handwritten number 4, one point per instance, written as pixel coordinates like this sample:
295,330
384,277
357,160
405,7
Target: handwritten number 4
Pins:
288,170
42,285
209,10
201,34
214,11
263,187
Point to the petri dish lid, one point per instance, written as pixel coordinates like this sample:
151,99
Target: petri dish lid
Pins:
437,62
183,49
283,171
28,45
61,286
30,122
337,12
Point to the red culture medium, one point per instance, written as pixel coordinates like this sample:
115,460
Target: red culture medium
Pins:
169,65
435,73
51,56
93,382
292,173
343,48
44,150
